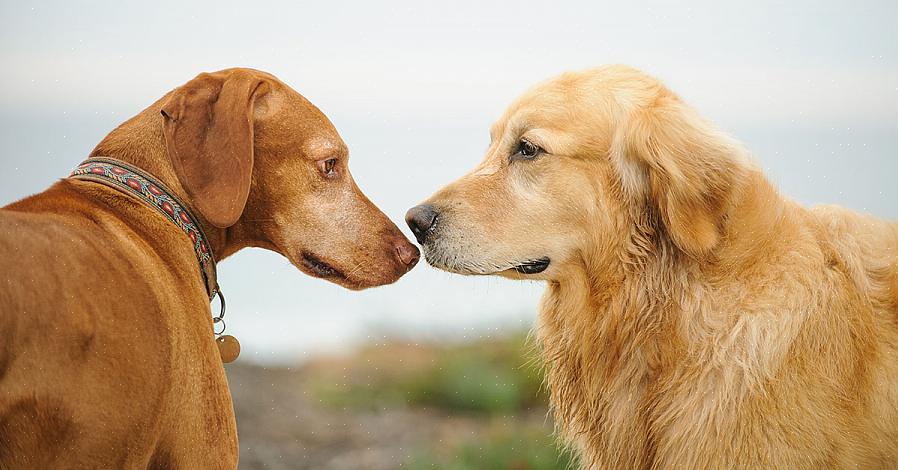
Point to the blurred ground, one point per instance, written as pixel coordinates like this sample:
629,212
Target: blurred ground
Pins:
473,406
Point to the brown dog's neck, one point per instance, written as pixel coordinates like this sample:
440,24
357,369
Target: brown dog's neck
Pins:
140,142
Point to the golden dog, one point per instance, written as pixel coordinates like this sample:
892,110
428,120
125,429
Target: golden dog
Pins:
694,317
107,356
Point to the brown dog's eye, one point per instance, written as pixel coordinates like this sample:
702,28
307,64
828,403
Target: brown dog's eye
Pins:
327,167
526,151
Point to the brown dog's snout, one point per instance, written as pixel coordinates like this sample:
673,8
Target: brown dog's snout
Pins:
407,253
421,219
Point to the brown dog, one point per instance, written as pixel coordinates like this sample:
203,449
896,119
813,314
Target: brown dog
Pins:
107,358
694,317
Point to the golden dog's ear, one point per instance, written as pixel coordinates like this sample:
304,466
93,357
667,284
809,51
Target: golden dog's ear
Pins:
670,156
208,127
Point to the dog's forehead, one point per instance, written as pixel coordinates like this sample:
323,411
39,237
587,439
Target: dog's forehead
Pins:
572,93
539,107
290,121
323,145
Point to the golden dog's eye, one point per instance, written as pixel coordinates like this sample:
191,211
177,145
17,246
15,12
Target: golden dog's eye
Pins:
327,167
526,151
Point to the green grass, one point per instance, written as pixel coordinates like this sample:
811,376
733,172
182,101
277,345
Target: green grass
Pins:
506,447
495,383
491,377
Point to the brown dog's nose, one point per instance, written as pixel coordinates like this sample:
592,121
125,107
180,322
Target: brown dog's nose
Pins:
408,254
421,220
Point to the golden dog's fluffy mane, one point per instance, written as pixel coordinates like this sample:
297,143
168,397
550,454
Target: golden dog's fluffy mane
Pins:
674,354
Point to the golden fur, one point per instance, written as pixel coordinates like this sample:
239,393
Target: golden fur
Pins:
694,317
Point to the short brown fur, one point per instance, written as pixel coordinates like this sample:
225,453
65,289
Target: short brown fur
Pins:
107,358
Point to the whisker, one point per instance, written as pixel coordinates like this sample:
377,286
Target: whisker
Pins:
356,268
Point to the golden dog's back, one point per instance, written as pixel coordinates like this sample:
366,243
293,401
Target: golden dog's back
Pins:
868,246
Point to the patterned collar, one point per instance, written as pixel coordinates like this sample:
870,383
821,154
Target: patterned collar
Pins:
136,182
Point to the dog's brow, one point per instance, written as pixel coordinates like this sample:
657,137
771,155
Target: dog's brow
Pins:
324,146
485,169
512,127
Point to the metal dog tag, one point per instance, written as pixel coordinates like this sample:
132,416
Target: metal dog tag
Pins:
228,348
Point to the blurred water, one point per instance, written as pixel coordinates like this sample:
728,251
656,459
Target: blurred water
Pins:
280,314
809,86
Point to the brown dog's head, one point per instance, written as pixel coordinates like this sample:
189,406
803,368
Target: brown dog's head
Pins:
586,168
261,163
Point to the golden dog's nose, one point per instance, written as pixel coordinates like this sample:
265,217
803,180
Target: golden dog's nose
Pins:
421,220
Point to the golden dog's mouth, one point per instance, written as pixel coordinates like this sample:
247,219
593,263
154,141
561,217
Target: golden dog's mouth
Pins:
452,262
458,251
534,266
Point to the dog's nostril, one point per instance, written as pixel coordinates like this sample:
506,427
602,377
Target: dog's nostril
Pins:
421,220
408,254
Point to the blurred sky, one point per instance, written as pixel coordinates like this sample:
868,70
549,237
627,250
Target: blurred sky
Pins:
810,87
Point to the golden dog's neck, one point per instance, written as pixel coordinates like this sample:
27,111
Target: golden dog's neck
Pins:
609,330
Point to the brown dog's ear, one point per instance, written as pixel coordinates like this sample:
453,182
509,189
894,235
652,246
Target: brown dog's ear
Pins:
670,156
208,127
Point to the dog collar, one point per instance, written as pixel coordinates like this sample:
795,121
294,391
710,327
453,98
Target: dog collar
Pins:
134,181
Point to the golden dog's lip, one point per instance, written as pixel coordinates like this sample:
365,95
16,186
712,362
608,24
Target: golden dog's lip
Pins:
534,266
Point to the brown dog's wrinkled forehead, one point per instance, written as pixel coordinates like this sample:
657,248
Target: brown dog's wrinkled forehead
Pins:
293,120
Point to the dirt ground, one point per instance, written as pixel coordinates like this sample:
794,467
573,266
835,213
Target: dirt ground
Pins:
284,424
281,427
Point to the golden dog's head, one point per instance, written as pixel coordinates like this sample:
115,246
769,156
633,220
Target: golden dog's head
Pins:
264,166
575,167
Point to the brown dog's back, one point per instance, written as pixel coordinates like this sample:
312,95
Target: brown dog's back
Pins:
81,332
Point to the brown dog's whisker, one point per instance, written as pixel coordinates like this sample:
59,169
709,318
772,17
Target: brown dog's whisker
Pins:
353,270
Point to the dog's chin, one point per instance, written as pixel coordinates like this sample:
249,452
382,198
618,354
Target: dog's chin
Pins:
316,266
529,268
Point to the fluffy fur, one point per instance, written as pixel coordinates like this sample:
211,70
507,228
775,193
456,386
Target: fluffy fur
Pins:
694,317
